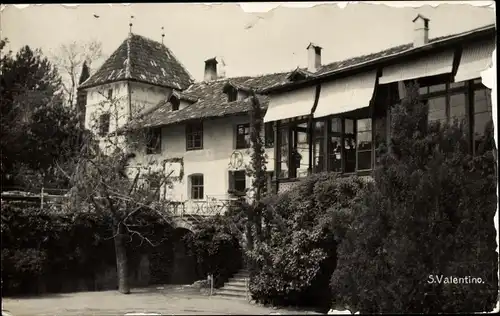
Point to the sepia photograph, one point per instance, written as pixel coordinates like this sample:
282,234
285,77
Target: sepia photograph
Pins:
256,158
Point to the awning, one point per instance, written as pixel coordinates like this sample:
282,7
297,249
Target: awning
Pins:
346,94
290,104
475,59
432,65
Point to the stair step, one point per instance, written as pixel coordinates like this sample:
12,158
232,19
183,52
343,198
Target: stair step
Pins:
235,288
238,279
231,294
235,285
235,298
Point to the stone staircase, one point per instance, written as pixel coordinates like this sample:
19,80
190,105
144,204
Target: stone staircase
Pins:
236,287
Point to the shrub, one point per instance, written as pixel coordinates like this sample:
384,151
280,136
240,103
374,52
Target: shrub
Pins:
51,246
217,249
429,212
297,258
42,244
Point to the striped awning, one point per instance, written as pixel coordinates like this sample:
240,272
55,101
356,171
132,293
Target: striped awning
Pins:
432,65
290,104
475,58
346,94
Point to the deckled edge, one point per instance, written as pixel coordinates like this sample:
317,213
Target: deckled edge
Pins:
488,76
260,7
489,79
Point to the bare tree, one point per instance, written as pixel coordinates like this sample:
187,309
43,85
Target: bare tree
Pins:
69,59
104,183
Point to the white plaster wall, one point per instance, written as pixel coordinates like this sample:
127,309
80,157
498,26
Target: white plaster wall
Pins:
144,96
212,161
98,103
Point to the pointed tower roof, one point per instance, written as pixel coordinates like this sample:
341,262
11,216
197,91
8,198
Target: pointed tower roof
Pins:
85,74
141,59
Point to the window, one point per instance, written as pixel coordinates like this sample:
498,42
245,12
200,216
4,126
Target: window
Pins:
242,136
319,146
284,152
482,115
349,146
196,186
364,143
335,145
293,154
437,109
153,141
194,136
104,124
269,135
232,95
296,76
299,156
447,101
174,101
237,181
458,107
110,94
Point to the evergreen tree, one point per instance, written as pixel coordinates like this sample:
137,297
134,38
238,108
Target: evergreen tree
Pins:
37,129
429,214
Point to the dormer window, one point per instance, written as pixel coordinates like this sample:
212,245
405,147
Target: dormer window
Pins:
297,75
232,95
175,102
231,91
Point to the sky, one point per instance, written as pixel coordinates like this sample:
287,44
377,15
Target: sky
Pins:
268,39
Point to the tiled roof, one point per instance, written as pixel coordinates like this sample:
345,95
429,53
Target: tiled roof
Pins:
212,101
142,59
361,59
351,62
365,58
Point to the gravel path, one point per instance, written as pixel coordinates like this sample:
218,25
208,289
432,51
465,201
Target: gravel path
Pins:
163,301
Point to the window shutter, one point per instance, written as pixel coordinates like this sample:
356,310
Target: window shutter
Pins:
231,180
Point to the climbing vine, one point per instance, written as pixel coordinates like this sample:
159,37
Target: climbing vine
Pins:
178,160
256,169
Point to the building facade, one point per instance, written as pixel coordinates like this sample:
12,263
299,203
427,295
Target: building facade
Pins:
347,115
320,118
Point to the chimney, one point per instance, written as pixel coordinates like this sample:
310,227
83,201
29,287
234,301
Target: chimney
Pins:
313,57
221,70
211,69
420,31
